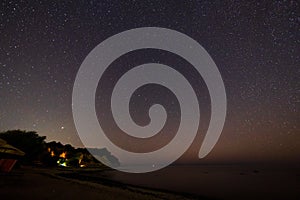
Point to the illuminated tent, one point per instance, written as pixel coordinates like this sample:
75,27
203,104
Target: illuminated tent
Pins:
8,156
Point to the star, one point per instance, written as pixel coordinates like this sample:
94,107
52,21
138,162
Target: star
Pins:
255,46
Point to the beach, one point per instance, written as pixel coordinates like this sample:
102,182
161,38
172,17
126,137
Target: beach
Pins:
173,182
38,183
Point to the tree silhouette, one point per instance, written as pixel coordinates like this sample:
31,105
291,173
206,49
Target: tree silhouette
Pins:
30,142
37,151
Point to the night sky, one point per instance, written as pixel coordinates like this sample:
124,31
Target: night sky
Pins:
255,44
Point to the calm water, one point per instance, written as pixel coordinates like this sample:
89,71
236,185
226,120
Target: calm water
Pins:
220,181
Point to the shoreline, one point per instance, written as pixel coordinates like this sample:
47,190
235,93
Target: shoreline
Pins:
23,182
174,182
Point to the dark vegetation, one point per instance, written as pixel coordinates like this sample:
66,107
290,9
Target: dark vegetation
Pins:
39,152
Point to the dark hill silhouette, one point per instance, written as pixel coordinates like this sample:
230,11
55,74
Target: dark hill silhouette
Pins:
104,156
37,151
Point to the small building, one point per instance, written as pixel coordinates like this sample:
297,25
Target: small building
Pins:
8,156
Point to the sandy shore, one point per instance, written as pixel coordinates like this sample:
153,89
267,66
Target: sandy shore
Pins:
31,183
173,182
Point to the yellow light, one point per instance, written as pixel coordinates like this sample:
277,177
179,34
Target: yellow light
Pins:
63,155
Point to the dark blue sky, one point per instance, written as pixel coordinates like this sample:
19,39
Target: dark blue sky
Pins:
254,44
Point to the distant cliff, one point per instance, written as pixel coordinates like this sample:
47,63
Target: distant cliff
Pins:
104,156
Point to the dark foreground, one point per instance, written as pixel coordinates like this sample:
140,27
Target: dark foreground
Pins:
173,182
33,183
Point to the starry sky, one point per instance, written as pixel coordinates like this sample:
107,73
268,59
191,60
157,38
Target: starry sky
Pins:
255,44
